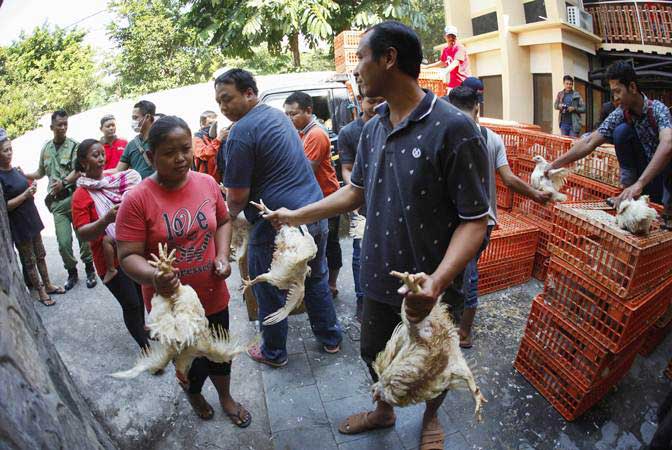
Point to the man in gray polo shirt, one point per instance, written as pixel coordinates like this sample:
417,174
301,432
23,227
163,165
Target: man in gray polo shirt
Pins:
423,170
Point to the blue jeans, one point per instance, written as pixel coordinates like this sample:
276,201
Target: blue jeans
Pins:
318,301
566,129
633,162
471,274
356,264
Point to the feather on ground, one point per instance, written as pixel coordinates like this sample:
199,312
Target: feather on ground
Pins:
422,360
181,328
294,249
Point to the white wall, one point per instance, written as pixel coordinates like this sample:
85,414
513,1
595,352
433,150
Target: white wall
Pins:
540,59
479,6
488,63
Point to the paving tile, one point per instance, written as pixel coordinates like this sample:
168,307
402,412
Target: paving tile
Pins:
305,438
339,410
389,441
455,441
295,408
341,379
296,373
409,424
349,354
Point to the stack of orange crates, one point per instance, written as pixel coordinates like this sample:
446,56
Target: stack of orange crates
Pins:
507,260
434,80
604,290
345,50
577,187
511,138
656,334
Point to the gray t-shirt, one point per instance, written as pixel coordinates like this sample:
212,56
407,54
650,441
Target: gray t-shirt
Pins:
496,159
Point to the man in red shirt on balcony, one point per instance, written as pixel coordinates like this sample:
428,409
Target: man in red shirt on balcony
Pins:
316,146
453,58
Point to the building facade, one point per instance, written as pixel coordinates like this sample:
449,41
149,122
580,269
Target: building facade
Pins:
522,49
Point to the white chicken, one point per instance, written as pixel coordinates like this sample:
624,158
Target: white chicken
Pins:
181,328
357,225
552,183
636,216
294,248
422,360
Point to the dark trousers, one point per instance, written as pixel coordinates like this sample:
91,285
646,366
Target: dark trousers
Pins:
471,273
380,319
202,368
633,162
334,255
125,291
662,439
356,265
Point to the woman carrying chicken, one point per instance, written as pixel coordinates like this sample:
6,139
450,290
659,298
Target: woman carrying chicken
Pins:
184,209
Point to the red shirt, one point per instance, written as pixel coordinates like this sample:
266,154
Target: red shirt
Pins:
113,153
317,147
83,213
461,72
187,219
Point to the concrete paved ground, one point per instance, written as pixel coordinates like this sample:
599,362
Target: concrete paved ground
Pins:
300,406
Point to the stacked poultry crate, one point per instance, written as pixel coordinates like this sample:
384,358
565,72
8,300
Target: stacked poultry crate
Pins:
345,50
507,260
578,187
604,290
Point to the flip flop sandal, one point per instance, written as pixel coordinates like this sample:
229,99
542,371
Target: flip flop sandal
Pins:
432,439
254,352
236,419
359,423
58,291
47,301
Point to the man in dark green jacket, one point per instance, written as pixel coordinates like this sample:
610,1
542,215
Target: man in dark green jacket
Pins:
571,106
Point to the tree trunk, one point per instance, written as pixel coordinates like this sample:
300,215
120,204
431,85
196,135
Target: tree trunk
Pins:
294,47
40,405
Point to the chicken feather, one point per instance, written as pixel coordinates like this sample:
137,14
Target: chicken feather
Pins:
420,361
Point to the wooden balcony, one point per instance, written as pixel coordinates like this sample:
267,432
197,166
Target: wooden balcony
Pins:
635,22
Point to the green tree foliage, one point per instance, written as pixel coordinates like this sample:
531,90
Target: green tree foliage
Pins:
157,49
47,70
237,26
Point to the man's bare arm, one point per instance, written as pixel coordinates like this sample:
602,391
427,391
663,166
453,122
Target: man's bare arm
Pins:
346,199
579,150
237,199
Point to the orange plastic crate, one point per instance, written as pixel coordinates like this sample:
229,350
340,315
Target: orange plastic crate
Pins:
585,359
504,194
511,138
597,312
512,238
567,396
540,268
436,86
505,274
545,228
625,264
346,60
601,165
347,39
532,143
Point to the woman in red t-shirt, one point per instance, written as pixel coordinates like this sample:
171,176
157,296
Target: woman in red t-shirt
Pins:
91,226
184,209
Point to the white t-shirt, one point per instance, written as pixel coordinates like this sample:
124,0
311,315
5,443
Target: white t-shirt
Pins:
497,159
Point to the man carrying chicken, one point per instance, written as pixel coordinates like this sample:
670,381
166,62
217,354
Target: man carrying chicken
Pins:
423,171
641,130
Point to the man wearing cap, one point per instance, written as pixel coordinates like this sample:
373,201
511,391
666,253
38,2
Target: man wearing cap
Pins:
454,58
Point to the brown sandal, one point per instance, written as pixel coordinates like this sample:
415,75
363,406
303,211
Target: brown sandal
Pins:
432,439
359,423
241,418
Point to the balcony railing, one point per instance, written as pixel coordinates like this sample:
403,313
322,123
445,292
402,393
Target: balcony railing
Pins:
634,22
